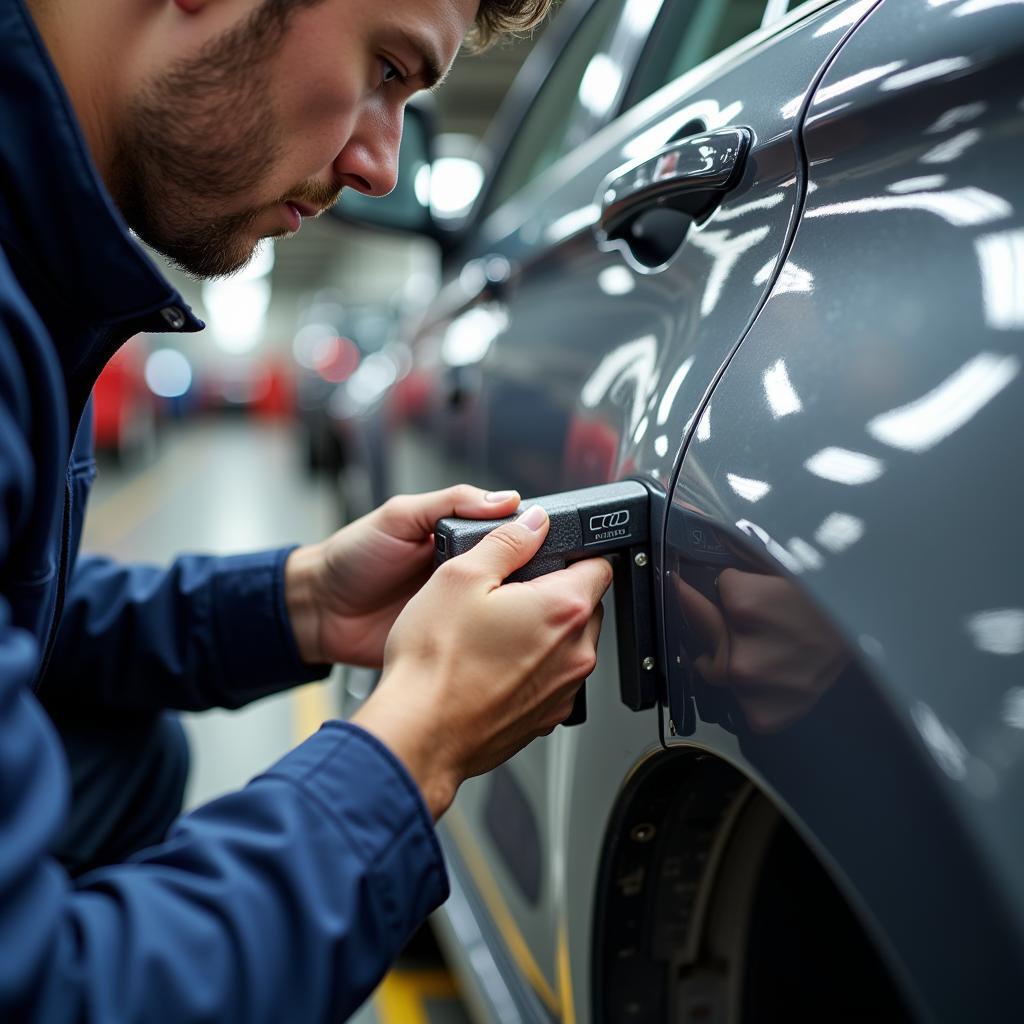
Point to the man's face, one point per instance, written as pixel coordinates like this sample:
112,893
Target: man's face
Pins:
269,120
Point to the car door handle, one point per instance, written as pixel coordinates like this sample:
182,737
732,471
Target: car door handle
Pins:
647,206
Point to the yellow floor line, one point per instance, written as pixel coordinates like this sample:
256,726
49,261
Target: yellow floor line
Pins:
500,913
401,995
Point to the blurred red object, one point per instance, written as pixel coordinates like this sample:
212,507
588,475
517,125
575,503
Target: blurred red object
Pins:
124,409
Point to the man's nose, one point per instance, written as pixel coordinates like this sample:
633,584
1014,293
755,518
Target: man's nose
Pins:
368,162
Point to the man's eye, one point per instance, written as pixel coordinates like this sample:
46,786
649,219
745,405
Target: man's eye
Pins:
391,72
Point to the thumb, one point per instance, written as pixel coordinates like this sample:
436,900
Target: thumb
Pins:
510,546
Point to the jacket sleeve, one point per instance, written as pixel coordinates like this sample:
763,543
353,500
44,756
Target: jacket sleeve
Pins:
284,901
207,632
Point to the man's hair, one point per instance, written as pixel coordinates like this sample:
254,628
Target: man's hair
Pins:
497,18
494,19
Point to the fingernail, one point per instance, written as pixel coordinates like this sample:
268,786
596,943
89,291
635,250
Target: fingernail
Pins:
534,517
498,496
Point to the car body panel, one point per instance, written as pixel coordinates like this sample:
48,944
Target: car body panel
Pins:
551,401
860,446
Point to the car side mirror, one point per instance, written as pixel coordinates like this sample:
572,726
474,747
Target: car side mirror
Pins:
407,207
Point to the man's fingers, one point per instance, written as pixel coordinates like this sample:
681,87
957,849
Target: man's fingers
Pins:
591,577
412,516
508,547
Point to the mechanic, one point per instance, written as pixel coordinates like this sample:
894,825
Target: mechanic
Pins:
204,126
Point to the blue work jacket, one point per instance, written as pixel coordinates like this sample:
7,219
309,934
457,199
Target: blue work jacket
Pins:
282,902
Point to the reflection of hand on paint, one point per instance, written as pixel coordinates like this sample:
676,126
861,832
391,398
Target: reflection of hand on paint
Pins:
766,642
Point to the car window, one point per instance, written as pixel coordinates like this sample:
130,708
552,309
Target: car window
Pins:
544,134
687,33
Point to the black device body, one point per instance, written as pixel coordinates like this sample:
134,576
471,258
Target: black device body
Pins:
611,520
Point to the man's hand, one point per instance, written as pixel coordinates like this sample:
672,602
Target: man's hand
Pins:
344,594
474,670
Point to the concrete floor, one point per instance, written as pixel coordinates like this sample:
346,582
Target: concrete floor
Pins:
232,485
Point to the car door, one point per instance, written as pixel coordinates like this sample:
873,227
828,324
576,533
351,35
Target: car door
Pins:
603,292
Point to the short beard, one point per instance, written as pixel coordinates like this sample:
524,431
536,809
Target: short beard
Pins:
199,136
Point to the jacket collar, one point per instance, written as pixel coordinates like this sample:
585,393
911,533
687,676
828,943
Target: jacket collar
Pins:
58,225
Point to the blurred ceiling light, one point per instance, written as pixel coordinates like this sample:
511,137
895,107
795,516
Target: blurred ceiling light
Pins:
782,397
455,182
922,424
751,490
375,375
600,84
261,264
845,467
616,280
307,342
237,311
470,336
1001,260
168,373
421,185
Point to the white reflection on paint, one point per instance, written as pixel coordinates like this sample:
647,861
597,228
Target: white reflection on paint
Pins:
791,278
925,73
641,146
839,531
952,149
1001,261
669,396
961,207
957,115
725,251
844,85
923,423
944,744
469,337
571,223
804,553
616,280
921,184
632,363
848,17
844,466
1013,707
600,84
639,16
974,6
704,425
746,488
773,547
999,631
661,445
778,388
769,202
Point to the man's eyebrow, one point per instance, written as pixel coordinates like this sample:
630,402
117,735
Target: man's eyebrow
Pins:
433,70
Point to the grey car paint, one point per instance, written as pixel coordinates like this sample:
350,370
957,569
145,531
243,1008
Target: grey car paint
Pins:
557,400
861,444
552,363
